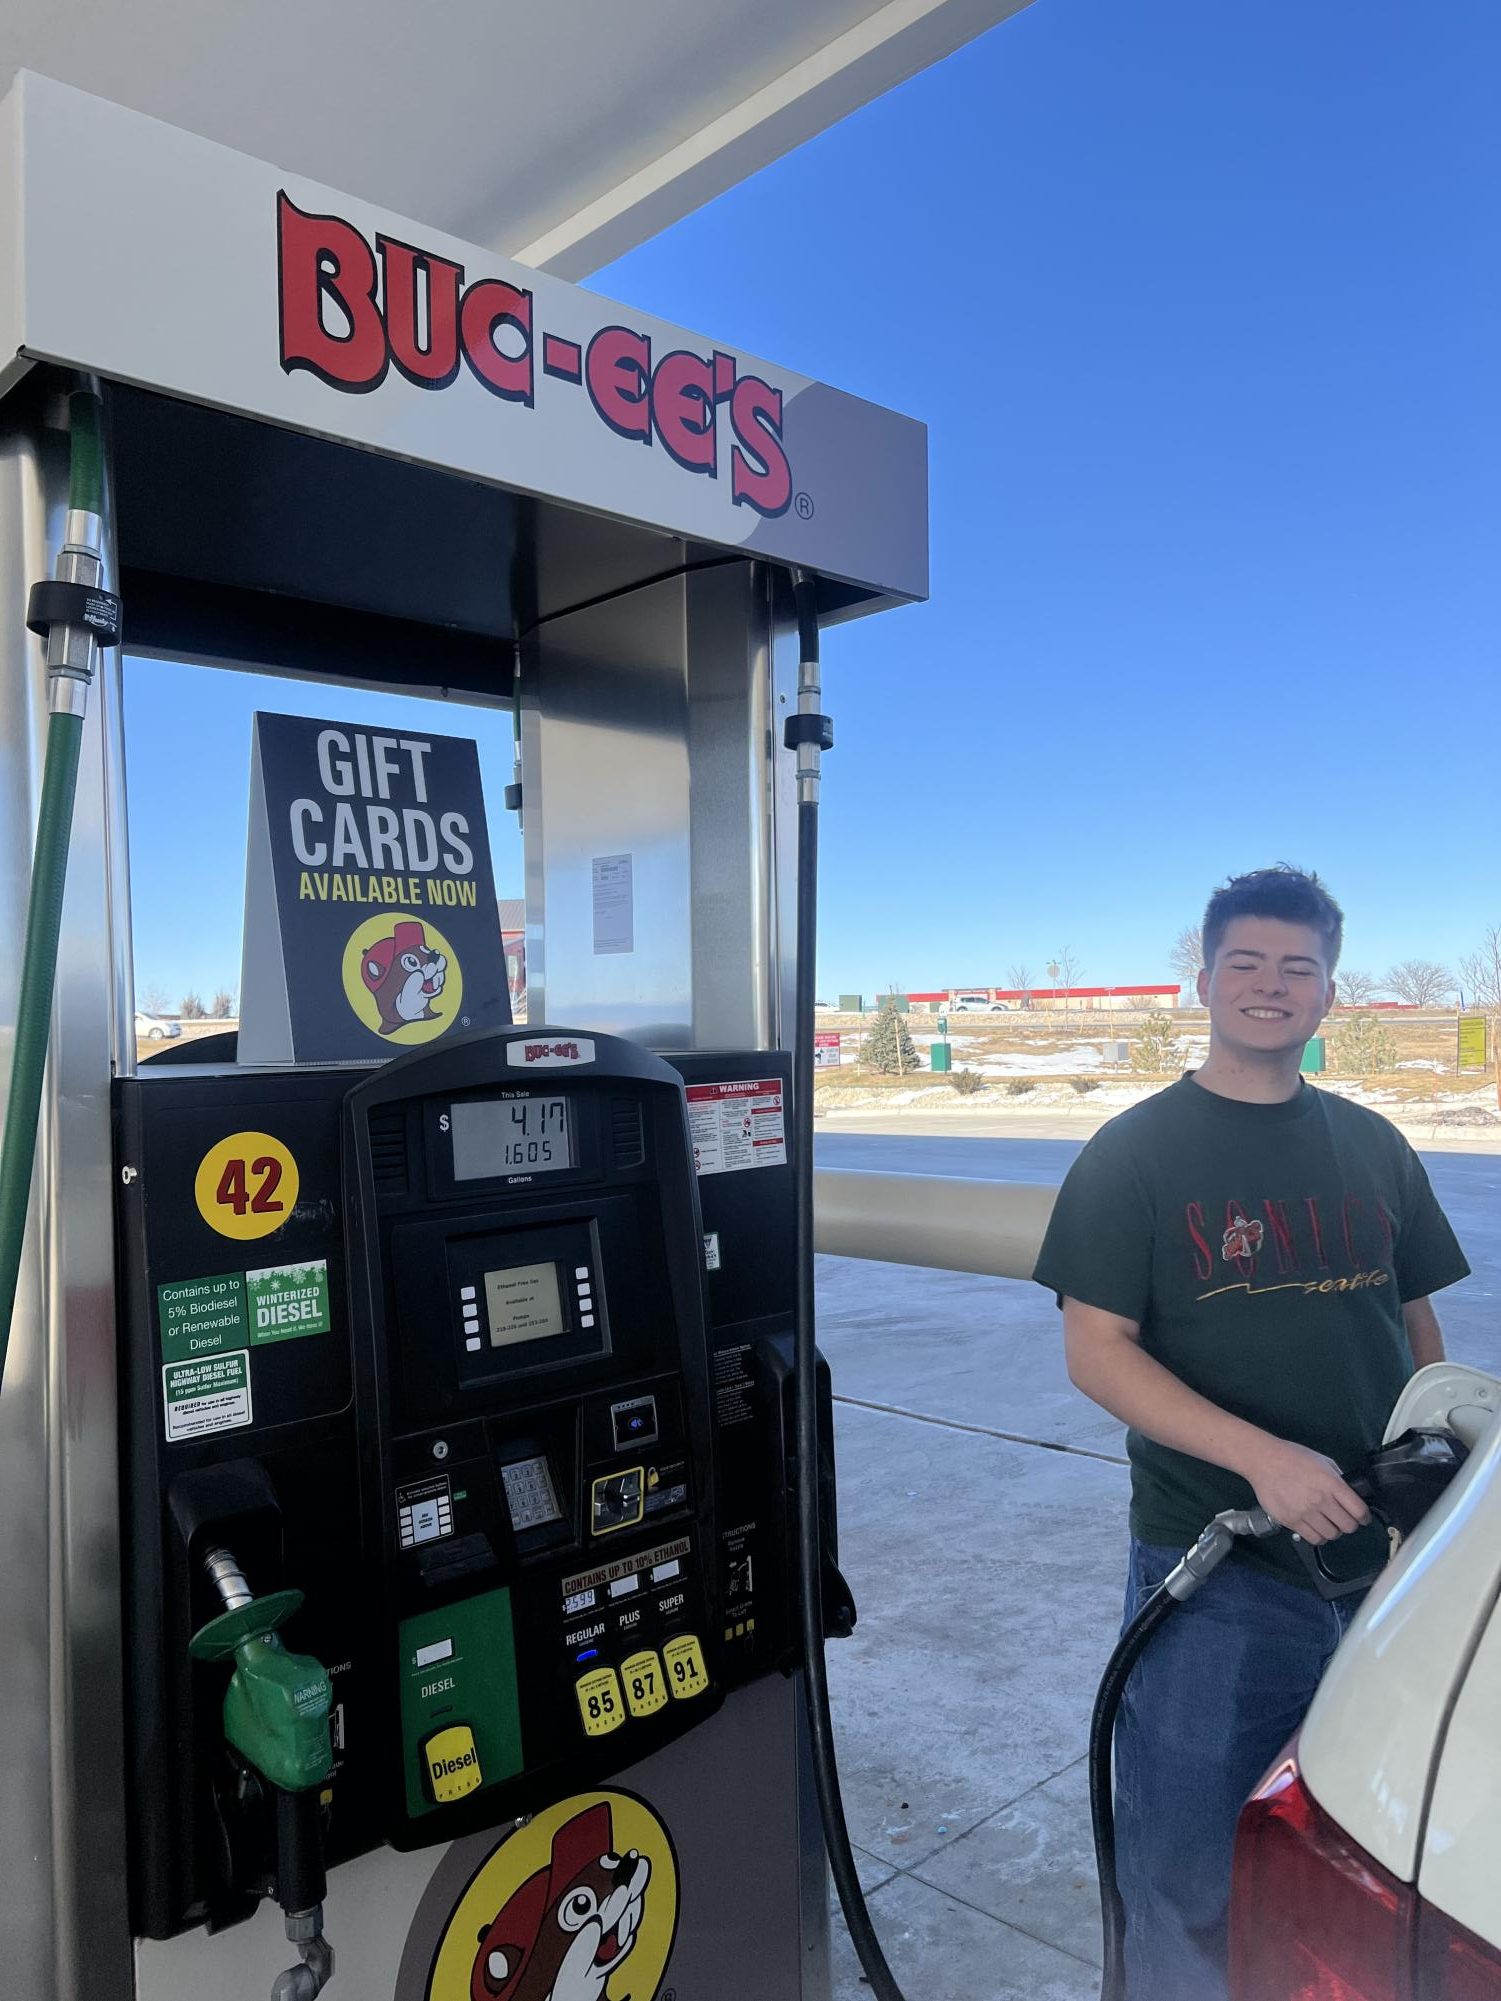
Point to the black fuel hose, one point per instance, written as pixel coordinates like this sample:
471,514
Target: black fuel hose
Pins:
809,1527
1189,1575
1107,1704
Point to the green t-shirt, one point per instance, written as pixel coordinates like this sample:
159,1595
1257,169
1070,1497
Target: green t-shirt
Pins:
1266,1252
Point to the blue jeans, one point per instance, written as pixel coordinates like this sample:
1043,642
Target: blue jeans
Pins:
1222,1685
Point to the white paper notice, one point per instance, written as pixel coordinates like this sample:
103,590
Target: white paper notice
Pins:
614,904
738,1125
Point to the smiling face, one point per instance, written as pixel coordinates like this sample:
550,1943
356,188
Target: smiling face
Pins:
1268,989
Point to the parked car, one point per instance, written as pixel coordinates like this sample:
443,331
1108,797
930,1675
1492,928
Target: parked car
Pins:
977,1004
1366,1861
156,1028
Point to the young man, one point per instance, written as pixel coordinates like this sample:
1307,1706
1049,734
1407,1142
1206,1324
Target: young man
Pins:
1244,1265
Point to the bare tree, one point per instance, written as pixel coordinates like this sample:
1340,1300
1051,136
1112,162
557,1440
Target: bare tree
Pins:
1419,982
1352,989
1187,956
1065,971
1480,973
222,1006
1019,977
153,1000
192,1008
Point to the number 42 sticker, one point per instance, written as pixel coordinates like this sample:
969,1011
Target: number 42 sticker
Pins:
246,1186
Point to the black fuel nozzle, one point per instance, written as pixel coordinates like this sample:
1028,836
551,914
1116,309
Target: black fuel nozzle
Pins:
1399,1483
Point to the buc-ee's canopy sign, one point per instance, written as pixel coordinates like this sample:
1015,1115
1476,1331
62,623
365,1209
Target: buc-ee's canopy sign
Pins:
209,275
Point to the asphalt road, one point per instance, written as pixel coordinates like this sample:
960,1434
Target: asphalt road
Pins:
1467,1184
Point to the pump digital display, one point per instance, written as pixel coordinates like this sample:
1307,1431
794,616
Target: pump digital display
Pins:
509,1136
524,1304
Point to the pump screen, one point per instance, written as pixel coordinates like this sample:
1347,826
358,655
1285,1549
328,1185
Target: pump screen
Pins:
524,1304
497,1136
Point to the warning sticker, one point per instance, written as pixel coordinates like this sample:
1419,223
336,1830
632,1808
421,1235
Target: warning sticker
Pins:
209,1395
737,1125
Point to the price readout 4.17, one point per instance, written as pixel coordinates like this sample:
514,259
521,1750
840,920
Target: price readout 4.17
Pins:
493,1136
534,1133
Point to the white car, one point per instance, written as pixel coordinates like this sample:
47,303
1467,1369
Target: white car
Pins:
1368,1862
154,1028
977,1004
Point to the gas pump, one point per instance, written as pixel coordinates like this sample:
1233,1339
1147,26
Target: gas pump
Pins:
429,1472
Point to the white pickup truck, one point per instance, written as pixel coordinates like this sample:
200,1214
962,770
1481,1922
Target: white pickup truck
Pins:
1368,1862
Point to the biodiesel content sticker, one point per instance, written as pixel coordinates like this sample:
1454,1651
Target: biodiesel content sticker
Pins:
209,1316
287,1301
209,1395
201,1316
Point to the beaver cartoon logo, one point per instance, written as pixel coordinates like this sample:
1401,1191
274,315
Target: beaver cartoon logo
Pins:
566,1930
405,974
402,979
579,1905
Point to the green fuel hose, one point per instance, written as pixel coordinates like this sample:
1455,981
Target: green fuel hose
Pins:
49,872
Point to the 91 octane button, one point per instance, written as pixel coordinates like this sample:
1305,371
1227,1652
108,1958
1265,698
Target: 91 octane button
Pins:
645,1686
599,1702
686,1674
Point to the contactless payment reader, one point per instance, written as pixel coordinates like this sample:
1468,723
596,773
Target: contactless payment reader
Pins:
532,1390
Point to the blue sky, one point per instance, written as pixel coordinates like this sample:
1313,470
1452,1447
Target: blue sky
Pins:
1201,307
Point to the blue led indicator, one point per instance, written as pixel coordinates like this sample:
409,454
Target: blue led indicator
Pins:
589,1654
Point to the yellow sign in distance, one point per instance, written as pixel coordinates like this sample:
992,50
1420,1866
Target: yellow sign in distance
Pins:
1472,1041
247,1185
498,1930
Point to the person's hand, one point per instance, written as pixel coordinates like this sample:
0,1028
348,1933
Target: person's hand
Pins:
1303,1491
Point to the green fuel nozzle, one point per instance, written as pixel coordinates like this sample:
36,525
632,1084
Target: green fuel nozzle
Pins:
276,1712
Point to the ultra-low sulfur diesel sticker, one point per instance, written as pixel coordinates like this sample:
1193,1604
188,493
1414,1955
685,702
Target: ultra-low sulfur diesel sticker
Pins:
205,1396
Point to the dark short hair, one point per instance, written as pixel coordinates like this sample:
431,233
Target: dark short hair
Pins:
1285,892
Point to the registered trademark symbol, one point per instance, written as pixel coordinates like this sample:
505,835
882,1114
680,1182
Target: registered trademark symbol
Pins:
804,505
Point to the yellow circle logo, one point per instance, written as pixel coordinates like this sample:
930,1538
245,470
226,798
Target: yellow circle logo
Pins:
246,1186
581,1904
402,978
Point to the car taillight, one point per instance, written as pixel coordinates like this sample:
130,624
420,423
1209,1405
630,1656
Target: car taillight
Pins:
1314,1918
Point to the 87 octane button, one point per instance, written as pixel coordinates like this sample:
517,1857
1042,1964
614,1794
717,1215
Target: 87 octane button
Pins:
686,1673
645,1687
599,1701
